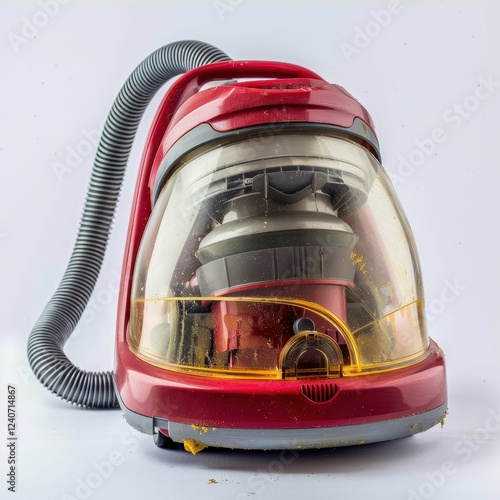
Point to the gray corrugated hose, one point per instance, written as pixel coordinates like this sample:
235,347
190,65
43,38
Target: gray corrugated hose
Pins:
62,313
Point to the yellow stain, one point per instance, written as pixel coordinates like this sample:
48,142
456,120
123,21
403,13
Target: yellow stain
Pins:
194,446
202,429
443,419
355,259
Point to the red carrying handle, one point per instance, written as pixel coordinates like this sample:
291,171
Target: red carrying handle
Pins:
191,82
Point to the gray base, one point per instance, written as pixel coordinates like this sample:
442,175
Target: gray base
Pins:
323,437
285,439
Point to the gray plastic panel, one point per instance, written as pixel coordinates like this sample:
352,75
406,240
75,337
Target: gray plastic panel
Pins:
276,264
321,437
204,134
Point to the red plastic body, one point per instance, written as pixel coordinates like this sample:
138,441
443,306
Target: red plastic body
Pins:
298,96
268,404
253,331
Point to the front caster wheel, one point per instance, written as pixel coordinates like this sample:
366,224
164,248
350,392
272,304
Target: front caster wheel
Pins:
163,441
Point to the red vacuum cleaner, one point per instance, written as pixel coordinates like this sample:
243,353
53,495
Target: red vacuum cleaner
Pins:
271,293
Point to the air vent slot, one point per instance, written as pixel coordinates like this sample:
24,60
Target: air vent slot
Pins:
319,393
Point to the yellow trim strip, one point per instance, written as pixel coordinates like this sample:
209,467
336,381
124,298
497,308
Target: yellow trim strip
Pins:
321,311
353,369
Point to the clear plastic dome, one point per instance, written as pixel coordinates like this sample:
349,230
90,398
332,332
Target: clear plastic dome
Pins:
280,257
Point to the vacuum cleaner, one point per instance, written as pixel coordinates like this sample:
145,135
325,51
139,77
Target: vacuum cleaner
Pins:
271,293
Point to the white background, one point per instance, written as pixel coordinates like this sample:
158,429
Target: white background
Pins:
416,74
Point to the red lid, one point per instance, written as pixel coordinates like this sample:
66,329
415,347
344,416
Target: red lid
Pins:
294,95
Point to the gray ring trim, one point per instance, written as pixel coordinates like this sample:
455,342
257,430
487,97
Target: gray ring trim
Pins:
204,134
321,437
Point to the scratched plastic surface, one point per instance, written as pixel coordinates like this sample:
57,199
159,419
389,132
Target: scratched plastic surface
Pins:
290,257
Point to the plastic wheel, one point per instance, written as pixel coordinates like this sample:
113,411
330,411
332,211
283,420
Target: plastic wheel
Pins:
163,441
